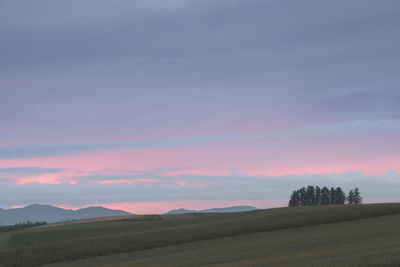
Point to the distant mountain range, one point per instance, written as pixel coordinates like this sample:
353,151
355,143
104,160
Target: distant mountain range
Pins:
52,214
228,209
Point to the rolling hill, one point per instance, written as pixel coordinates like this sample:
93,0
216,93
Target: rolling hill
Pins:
335,235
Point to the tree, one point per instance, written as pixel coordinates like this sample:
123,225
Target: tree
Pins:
350,197
333,196
294,199
357,196
310,195
318,196
340,196
326,196
303,197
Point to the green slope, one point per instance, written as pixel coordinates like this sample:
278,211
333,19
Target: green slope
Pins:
279,236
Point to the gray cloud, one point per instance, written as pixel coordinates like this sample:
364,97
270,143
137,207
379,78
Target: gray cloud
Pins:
26,171
144,67
59,149
6,181
341,128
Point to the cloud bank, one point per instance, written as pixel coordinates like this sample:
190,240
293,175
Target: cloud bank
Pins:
59,149
125,187
26,171
342,128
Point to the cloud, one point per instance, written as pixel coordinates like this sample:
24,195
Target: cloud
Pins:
26,171
144,67
60,149
6,181
195,187
172,168
98,178
341,128
236,172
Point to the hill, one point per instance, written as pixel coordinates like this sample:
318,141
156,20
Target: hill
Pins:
52,214
227,209
230,209
343,235
181,211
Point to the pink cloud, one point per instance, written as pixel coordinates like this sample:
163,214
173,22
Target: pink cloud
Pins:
372,154
128,181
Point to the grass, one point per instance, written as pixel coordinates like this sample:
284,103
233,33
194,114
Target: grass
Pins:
308,236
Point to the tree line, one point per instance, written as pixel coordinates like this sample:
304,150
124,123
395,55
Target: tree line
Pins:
21,226
310,195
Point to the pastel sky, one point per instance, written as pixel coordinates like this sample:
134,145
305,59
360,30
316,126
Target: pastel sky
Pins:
152,105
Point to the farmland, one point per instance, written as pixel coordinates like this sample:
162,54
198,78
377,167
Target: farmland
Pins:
358,235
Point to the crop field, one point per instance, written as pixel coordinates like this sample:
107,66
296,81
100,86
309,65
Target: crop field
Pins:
350,235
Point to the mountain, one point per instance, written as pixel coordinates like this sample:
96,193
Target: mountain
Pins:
181,211
230,209
50,214
227,209
95,212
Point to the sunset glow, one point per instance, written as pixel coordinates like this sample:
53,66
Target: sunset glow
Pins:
151,107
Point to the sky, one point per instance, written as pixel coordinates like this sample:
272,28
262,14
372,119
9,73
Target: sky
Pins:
153,105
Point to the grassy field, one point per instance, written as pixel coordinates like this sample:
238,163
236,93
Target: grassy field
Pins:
366,235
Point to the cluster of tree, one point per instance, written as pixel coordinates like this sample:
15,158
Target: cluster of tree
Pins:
354,196
310,195
21,225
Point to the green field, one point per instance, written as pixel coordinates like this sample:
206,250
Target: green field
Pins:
361,235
